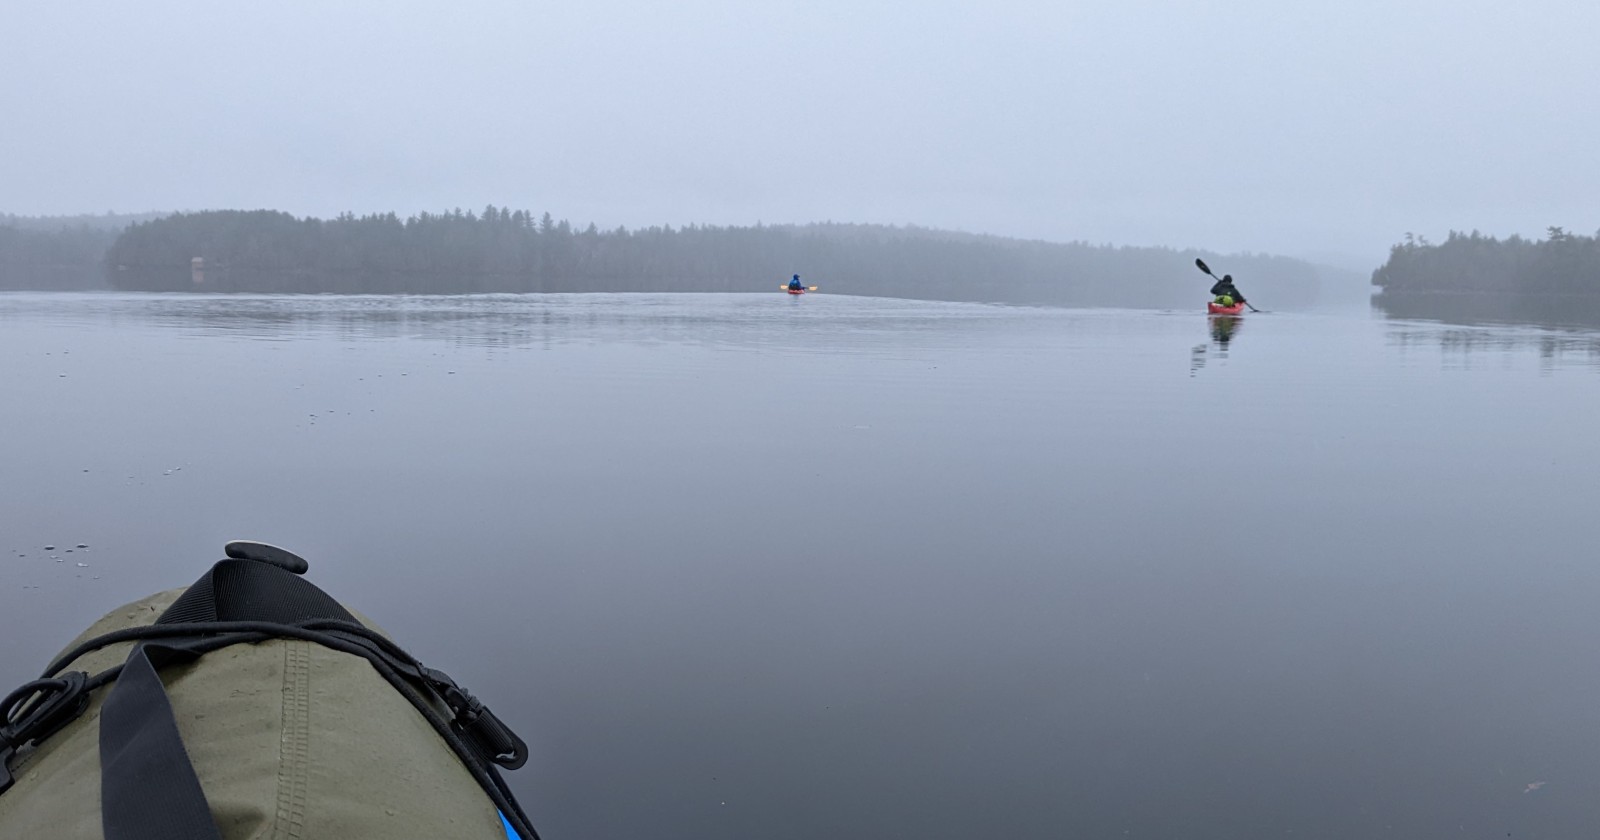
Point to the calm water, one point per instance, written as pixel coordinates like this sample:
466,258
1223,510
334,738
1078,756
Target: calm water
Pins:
746,566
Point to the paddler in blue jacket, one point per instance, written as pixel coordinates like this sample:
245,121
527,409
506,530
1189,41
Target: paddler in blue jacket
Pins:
795,283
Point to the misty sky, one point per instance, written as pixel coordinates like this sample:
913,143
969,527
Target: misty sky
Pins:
1328,129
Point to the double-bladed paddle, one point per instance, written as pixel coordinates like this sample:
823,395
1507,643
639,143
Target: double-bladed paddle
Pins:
1201,264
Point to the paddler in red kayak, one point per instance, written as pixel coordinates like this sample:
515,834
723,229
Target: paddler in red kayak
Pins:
1225,293
794,285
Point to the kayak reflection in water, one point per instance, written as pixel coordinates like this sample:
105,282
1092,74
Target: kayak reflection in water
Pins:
795,283
1223,328
1224,293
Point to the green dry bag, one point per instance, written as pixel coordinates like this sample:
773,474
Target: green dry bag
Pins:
251,706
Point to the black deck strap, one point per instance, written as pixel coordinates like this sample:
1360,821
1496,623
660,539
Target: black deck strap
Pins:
148,787
250,590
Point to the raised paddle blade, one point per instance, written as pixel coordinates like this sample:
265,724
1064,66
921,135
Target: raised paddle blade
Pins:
811,288
1201,264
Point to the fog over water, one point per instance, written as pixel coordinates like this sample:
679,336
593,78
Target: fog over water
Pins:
746,565
1327,130
741,565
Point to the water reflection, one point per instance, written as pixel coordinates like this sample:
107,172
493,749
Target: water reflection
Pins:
1222,329
1559,311
1461,345
1561,331
517,320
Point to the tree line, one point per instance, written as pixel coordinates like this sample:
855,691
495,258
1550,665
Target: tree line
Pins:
67,258
1561,264
59,252
506,250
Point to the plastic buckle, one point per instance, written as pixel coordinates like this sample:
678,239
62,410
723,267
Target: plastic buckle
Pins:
493,737
35,711
473,721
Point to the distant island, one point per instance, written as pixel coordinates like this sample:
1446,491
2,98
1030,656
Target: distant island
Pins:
505,250
1561,264
1471,278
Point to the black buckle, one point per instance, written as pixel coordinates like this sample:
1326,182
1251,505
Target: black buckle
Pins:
473,721
36,711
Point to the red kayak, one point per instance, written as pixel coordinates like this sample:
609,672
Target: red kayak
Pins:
796,291
1213,309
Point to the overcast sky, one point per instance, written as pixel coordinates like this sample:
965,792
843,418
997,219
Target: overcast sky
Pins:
1329,128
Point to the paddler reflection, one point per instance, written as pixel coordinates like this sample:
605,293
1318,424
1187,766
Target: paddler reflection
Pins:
1224,328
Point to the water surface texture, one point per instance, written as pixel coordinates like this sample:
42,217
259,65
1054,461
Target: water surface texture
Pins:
749,566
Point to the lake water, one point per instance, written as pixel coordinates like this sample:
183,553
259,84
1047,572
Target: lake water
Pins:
749,566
